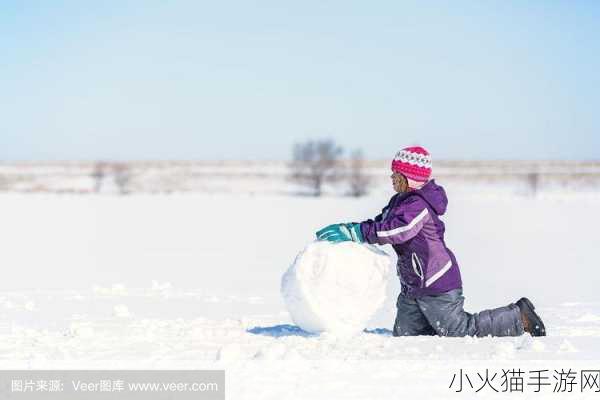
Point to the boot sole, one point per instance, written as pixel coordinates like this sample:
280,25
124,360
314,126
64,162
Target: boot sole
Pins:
536,320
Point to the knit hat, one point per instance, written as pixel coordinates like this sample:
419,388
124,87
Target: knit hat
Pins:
414,163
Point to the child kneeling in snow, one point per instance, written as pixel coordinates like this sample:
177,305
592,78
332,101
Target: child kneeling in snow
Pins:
431,300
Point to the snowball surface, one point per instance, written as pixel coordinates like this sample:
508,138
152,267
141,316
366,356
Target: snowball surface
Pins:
336,287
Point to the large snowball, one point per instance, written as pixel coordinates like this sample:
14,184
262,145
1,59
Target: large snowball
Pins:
336,287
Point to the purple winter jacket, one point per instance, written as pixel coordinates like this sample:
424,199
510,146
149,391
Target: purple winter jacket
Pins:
411,224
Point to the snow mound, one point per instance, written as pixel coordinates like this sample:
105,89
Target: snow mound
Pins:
121,311
336,287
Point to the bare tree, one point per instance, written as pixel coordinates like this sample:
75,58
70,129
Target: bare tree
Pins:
314,163
98,175
357,179
122,176
533,181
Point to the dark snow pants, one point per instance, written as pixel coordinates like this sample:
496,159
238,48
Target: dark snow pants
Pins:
443,315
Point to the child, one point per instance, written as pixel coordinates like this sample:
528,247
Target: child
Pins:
431,299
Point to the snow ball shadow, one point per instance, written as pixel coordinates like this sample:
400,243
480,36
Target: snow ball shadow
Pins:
293,330
280,331
379,331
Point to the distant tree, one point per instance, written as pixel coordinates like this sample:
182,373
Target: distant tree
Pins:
357,179
314,163
122,176
533,181
98,175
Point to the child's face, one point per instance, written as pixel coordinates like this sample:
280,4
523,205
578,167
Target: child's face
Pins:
399,182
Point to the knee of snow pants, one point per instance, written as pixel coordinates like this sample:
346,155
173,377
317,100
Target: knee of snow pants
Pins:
446,315
410,321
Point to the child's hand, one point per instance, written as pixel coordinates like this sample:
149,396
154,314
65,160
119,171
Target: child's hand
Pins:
341,233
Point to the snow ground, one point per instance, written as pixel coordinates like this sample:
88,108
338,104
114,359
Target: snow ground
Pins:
192,281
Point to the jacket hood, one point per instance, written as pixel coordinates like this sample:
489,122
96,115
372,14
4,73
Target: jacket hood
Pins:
435,195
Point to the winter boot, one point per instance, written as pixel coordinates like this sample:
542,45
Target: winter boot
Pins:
532,322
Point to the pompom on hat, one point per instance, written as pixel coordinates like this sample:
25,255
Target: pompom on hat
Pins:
414,163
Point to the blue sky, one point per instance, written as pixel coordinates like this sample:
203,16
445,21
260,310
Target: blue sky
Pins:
230,80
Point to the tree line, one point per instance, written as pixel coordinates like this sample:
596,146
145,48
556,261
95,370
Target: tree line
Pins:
314,164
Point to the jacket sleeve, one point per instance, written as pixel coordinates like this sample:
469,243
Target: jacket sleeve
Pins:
402,223
379,217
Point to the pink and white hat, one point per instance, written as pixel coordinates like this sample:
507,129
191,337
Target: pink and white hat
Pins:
414,163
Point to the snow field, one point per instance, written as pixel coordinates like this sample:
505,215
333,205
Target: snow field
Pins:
192,281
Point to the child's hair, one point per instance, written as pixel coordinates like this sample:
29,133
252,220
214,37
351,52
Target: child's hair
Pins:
402,182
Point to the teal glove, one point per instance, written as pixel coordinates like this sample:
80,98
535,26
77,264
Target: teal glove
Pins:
341,233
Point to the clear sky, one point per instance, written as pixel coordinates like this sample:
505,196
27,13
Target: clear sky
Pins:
247,79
